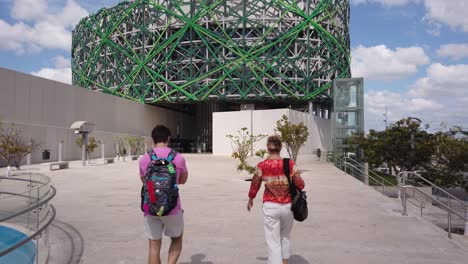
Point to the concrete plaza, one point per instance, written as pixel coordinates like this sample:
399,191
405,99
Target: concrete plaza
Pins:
99,219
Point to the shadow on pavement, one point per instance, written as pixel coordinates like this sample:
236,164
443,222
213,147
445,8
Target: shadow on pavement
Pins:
66,244
197,259
295,259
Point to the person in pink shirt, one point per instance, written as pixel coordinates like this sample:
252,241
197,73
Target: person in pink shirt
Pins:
172,224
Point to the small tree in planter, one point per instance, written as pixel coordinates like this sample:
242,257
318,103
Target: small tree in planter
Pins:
136,143
242,145
119,146
294,136
14,147
141,145
91,147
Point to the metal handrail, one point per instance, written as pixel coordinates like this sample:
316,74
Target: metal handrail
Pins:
440,203
402,185
371,171
375,177
449,196
448,208
436,187
52,193
31,237
41,201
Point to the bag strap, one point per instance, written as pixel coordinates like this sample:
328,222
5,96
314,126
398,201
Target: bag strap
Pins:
287,173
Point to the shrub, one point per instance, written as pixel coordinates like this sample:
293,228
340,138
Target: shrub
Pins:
14,147
242,145
294,136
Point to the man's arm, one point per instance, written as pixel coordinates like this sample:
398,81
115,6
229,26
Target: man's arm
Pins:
184,172
183,177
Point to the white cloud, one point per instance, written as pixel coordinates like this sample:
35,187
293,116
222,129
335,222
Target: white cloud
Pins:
61,72
440,96
449,12
51,31
28,9
382,63
383,2
445,81
453,51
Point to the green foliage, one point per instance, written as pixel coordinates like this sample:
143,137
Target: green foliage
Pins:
439,157
294,136
91,147
242,145
14,146
393,146
136,143
449,161
120,146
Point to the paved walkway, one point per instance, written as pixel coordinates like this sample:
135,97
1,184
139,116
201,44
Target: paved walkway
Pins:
98,210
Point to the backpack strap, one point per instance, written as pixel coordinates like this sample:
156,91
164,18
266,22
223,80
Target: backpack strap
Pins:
171,155
152,154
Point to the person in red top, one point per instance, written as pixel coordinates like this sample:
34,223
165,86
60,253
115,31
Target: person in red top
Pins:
277,214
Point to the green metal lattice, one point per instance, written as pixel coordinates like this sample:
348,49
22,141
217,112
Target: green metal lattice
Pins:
168,51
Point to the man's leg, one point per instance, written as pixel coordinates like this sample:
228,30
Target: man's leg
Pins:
175,249
153,231
154,251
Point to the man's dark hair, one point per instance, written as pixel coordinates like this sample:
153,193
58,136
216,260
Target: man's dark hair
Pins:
160,134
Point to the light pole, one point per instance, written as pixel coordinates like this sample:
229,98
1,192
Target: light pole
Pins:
413,121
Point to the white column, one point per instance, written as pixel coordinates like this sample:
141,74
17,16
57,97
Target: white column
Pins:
366,173
102,151
83,148
466,228
60,151
28,159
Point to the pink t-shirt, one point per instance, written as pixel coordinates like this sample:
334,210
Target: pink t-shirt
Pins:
179,162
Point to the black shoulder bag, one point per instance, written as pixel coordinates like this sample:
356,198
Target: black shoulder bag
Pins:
298,197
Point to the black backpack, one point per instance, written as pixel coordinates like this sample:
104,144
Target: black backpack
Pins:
160,192
298,197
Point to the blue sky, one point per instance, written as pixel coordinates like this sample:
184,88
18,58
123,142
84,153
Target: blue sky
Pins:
413,54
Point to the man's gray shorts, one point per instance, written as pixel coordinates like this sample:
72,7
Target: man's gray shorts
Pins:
172,225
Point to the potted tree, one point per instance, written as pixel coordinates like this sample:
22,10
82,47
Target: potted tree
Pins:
90,148
242,147
294,136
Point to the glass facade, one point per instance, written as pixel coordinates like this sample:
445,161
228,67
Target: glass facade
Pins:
348,114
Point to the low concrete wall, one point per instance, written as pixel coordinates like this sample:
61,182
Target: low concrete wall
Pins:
44,109
264,122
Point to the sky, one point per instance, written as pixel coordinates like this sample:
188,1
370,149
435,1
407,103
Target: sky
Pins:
413,54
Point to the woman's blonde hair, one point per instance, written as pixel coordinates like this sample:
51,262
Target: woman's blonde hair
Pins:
274,144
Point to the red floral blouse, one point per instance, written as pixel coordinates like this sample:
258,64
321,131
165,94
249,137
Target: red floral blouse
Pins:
271,172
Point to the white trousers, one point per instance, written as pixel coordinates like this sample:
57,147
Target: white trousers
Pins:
278,223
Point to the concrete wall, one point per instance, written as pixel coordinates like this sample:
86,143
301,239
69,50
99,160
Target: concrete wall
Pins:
264,122
45,109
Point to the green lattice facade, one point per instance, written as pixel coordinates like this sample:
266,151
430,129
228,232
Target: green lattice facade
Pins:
173,51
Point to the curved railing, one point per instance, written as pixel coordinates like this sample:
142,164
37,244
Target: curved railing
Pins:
25,209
